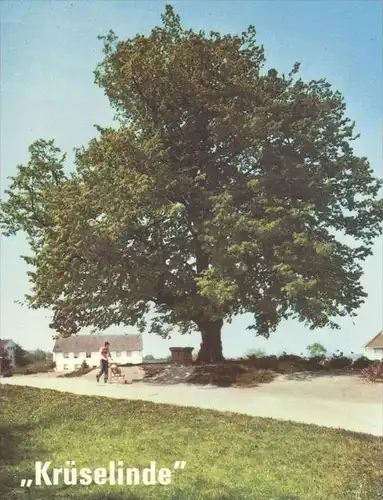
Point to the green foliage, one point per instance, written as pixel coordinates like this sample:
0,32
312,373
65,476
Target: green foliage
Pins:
256,353
229,374
22,357
224,190
34,368
39,356
290,363
84,365
316,350
148,357
339,363
361,363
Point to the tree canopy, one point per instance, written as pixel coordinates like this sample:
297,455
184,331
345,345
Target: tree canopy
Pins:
316,350
224,189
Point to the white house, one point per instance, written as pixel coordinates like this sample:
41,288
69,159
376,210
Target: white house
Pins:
69,353
374,349
8,349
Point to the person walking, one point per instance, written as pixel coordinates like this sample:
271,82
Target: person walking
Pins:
104,362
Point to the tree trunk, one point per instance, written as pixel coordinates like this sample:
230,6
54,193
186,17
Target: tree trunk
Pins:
211,345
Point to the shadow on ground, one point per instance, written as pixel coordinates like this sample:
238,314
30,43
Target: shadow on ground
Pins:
13,451
227,374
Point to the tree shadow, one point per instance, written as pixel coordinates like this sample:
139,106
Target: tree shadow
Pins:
13,451
223,374
219,375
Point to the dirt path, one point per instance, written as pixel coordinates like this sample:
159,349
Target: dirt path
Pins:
271,400
331,387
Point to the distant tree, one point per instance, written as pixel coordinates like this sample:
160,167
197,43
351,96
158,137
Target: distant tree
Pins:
5,361
222,191
22,357
257,353
316,350
38,356
149,357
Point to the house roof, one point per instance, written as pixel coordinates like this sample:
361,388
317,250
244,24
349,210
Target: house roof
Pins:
376,342
92,343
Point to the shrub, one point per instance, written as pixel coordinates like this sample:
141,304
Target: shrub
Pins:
288,367
251,378
257,353
361,363
84,365
291,358
290,363
231,374
265,363
338,363
32,369
315,363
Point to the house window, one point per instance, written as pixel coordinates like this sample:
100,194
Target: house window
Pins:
118,354
77,367
65,367
377,350
66,355
88,354
75,355
129,354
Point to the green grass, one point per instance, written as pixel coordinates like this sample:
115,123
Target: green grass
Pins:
33,368
228,456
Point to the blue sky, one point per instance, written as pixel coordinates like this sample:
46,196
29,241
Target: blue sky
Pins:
49,52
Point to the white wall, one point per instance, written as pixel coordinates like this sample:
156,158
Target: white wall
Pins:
71,362
374,353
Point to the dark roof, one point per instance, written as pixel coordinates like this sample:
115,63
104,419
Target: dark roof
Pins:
376,342
92,343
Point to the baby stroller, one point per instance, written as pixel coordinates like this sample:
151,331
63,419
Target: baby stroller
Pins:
116,373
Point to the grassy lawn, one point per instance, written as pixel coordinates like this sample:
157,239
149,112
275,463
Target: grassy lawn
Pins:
228,456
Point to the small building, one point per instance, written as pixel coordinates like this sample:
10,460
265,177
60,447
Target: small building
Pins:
182,355
71,352
8,350
374,349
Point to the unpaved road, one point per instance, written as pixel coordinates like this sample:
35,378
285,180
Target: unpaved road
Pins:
338,402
